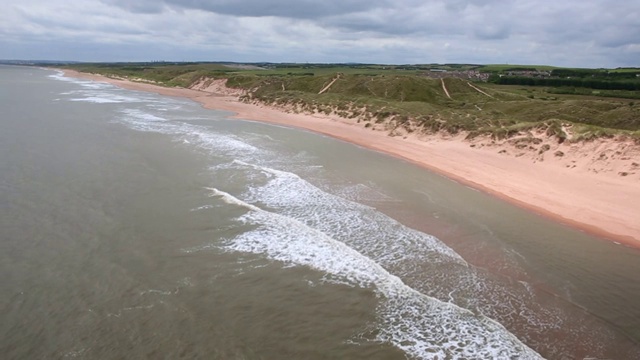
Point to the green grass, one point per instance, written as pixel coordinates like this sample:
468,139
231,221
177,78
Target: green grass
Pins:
506,67
325,71
623,70
165,74
399,95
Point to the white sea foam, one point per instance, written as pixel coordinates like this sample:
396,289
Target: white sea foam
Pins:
396,248
200,136
260,136
401,250
141,115
104,94
100,93
226,197
421,326
425,263
363,192
59,75
231,145
156,115
87,84
361,227
203,207
106,98
166,106
199,248
144,121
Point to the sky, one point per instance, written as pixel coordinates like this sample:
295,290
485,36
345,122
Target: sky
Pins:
572,33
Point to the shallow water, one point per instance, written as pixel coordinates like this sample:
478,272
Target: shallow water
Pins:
135,225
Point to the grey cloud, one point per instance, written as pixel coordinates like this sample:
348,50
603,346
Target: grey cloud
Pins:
383,22
593,23
479,19
461,5
404,19
617,27
429,19
300,9
62,24
566,33
613,38
138,7
490,32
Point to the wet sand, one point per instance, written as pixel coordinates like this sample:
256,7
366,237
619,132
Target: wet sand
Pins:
604,203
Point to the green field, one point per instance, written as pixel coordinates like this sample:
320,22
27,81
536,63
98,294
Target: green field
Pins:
626,70
507,67
405,96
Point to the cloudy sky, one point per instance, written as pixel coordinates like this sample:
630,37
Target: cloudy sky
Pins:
577,33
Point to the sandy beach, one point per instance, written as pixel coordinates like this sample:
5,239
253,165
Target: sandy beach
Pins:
593,186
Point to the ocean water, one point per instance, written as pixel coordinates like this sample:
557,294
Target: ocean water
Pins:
137,225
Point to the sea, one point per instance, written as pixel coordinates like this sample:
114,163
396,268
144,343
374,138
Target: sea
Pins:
135,225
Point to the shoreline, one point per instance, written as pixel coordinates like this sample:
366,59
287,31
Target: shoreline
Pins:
601,203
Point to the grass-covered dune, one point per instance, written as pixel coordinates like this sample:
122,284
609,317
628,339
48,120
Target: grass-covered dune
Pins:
410,97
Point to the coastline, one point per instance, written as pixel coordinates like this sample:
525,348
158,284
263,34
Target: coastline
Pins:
602,203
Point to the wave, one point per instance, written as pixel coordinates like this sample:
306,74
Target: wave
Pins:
87,84
360,226
108,95
422,326
112,99
141,115
102,93
421,260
